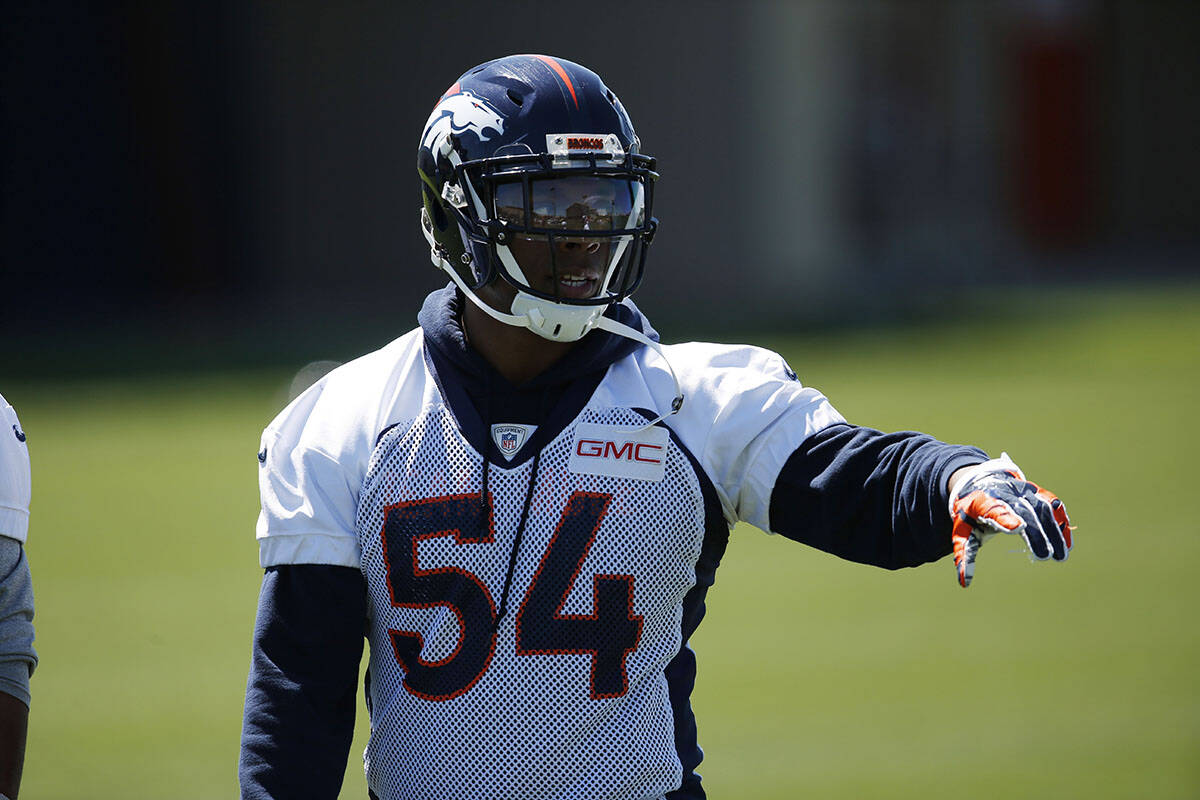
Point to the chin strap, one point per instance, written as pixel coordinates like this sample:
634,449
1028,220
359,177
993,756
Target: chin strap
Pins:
612,326
499,316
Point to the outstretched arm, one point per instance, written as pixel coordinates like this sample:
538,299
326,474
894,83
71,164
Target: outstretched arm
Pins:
902,499
872,497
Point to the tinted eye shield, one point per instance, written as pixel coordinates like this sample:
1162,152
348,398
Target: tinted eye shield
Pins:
571,205
595,196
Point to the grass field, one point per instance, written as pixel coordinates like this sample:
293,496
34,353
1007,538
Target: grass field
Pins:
817,677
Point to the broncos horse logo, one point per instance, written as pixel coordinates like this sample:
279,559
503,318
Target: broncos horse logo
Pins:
458,113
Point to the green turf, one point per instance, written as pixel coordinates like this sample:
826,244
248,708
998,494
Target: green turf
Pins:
816,677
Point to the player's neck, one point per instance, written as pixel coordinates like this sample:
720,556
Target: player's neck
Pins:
517,353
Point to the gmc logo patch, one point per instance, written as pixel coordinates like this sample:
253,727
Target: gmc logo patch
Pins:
620,452
641,452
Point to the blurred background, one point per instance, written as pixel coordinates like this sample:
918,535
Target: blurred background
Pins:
200,182
976,219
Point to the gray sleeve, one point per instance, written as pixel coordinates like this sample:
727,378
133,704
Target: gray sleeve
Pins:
17,656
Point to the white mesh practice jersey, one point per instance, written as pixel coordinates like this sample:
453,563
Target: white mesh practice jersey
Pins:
14,475
531,641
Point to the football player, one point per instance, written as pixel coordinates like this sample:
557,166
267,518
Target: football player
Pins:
521,503
17,656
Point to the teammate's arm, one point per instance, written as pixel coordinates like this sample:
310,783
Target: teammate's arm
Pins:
300,697
14,723
17,660
17,656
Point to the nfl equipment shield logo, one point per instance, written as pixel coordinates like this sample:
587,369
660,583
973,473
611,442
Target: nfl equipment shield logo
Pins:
509,438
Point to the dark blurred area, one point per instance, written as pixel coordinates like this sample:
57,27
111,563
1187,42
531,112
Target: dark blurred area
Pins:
196,185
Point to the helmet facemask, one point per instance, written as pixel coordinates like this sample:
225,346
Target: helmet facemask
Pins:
568,232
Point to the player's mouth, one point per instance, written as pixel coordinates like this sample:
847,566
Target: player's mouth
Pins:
578,285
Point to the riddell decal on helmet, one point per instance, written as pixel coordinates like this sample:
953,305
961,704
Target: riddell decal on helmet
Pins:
458,113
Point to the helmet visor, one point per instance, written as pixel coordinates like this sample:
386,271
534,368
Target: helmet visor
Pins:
578,205
574,238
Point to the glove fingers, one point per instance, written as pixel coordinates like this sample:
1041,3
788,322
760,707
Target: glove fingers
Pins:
1052,519
1034,533
1058,543
1064,522
966,548
1059,512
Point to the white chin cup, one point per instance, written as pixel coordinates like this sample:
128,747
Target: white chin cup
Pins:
555,321
558,323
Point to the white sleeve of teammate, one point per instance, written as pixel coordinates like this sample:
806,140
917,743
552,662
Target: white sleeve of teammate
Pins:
14,475
17,655
309,485
744,415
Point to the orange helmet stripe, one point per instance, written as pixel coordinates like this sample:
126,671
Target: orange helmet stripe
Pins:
562,73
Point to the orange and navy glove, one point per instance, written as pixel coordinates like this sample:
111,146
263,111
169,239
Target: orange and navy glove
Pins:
994,497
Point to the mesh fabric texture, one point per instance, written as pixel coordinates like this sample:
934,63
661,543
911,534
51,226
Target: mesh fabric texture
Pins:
538,724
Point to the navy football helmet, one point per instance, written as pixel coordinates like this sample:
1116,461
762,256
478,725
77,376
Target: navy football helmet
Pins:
530,172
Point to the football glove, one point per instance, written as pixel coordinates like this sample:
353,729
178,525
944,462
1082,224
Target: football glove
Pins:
994,497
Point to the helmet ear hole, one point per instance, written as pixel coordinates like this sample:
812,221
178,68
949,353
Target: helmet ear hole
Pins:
436,213
516,98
